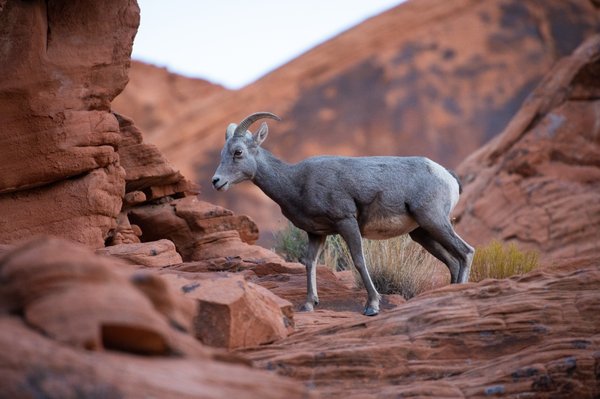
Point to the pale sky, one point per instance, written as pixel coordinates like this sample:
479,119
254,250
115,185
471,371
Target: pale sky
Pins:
235,42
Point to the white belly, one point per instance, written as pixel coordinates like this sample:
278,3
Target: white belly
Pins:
382,229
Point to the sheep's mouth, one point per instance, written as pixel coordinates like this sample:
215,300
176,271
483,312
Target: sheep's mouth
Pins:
222,186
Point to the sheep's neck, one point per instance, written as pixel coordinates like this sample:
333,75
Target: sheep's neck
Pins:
275,178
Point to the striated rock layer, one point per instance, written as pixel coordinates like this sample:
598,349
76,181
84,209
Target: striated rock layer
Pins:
154,97
538,183
62,65
73,324
433,78
532,336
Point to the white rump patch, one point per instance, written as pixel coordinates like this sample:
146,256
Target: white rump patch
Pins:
441,172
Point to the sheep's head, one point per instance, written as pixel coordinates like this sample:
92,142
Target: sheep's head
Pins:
238,161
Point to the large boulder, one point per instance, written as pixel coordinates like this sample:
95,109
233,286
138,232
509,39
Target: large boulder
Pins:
88,301
232,313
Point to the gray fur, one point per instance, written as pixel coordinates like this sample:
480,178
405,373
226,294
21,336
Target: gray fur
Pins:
372,197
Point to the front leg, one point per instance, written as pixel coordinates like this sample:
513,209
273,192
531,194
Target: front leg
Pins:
315,245
350,232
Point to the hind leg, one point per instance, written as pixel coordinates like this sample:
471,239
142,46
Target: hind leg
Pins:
440,231
465,270
423,238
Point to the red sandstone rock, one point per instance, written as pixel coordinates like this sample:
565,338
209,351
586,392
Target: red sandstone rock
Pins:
538,183
125,232
134,198
34,365
62,64
70,319
166,299
82,300
232,313
333,293
535,335
152,254
154,97
145,166
82,209
200,231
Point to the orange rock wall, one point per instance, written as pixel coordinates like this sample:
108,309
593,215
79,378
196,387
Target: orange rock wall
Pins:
62,64
538,183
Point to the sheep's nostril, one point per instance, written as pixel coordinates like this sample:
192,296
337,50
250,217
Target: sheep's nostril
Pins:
215,181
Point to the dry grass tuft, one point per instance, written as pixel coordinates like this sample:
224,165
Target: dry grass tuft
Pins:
397,266
498,260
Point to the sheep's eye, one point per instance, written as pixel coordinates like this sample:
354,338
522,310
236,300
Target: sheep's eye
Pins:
237,153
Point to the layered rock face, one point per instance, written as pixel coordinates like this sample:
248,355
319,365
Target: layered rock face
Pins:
74,325
433,78
531,336
538,183
62,64
154,97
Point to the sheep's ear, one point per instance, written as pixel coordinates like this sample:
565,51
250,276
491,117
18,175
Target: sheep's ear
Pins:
261,134
229,131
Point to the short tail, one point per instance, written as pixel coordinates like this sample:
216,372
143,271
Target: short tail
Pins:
460,189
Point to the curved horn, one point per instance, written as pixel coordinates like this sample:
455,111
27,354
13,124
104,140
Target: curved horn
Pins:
240,130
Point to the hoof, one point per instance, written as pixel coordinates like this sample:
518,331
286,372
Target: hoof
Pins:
307,307
370,311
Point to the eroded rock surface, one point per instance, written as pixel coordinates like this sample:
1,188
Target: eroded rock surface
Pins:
154,97
62,65
535,335
538,183
151,254
71,322
200,230
232,313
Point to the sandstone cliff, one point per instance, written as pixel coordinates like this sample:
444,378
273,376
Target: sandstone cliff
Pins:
154,97
61,67
538,182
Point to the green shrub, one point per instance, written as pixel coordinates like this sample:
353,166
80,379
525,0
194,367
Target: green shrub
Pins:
291,243
498,260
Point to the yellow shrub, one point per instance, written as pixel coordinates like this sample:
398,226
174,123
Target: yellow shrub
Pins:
498,260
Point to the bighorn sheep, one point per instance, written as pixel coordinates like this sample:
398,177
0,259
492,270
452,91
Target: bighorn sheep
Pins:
372,197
